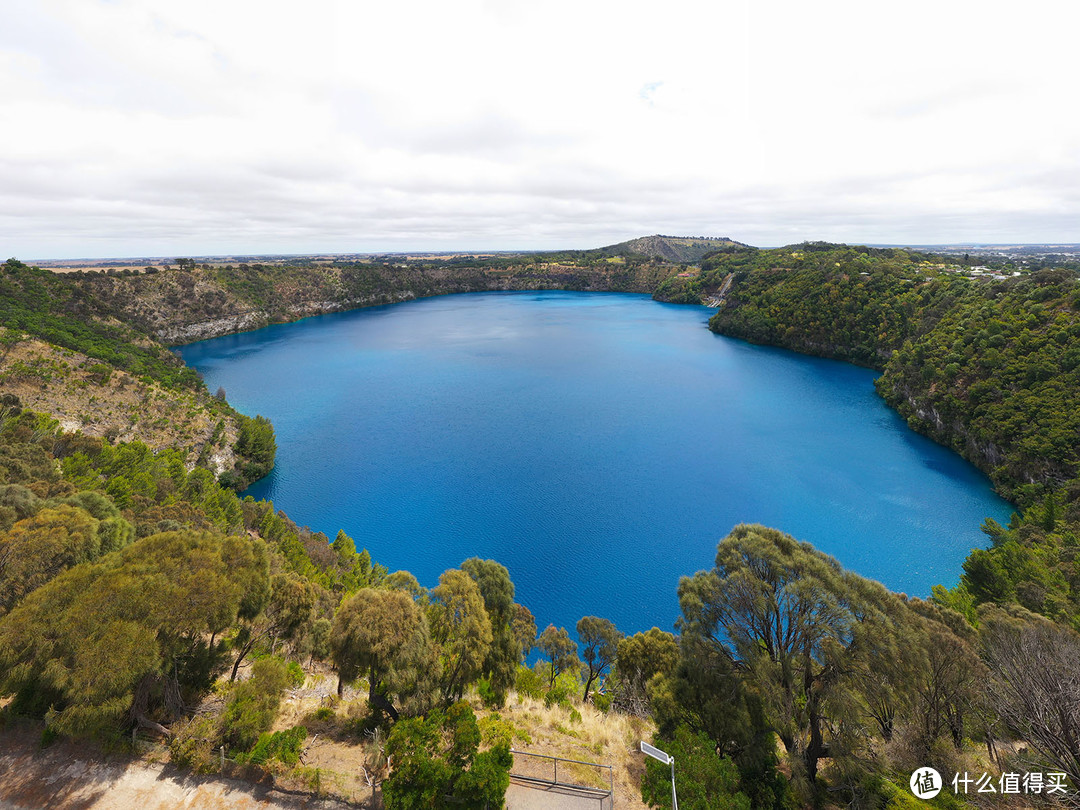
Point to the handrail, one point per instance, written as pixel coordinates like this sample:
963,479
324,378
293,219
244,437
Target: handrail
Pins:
609,792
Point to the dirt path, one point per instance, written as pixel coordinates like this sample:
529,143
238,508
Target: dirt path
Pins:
68,776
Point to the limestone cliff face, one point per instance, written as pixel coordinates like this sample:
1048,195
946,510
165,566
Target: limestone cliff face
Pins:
185,305
190,332
923,417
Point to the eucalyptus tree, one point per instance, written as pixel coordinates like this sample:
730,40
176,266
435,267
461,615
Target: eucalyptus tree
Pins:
39,547
382,634
560,649
497,590
289,609
599,647
797,628
118,640
639,658
524,629
461,629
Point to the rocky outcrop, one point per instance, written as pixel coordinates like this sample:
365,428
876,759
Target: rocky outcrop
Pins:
175,334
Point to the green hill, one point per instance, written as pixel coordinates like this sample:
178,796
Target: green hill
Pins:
677,249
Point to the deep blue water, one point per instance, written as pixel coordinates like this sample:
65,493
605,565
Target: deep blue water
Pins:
598,445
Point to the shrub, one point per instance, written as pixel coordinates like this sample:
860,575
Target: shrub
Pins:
193,744
284,746
253,704
528,683
488,695
296,675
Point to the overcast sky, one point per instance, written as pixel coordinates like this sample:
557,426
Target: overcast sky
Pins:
153,127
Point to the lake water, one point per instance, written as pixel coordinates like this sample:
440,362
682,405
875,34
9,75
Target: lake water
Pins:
598,445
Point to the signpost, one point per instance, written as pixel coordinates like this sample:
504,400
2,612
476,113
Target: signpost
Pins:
667,759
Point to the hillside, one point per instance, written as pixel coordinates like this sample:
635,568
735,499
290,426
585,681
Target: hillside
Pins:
138,596
676,249
98,400
69,354
988,365
194,302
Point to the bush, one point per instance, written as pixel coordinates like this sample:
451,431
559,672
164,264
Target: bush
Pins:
284,746
296,675
567,685
488,696
253,704
528,683
436,763
193,744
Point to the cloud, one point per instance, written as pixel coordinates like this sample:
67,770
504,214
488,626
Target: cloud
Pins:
192,126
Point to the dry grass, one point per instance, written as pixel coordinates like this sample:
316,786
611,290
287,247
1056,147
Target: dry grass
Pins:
65,385
607,739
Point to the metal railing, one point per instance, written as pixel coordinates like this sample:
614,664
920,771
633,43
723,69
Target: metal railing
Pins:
605,796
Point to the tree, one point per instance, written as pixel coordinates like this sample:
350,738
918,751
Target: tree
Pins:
253,705
381,634
462,630
945,683
500,664
524,627
1035,683
639,658
355,569
123,639
560,650
797,626
705,781
290,606
405,581
600,642
38,548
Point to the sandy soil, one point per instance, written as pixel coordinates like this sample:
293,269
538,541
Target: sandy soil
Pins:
68,776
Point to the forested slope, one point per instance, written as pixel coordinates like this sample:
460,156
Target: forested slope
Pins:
989,366
66,352
136,592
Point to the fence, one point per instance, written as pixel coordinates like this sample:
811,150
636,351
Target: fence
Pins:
536,773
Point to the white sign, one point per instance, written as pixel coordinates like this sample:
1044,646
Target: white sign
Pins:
655,753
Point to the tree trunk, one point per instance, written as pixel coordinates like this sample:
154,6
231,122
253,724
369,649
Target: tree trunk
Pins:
240,657
140,704
588,683
379,700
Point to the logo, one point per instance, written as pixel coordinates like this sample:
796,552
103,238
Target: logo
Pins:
926,783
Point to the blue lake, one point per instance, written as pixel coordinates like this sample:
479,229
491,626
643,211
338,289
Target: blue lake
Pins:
598,445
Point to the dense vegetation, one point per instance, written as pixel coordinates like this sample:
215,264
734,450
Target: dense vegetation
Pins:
39,305
989,365
50,307
138,593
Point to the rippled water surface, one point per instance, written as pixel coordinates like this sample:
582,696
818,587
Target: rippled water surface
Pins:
598,445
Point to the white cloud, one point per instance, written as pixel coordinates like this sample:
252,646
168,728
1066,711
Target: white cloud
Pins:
196,126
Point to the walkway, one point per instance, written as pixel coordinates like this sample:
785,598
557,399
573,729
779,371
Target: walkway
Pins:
524,795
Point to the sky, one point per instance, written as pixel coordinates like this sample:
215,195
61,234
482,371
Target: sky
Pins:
197,127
